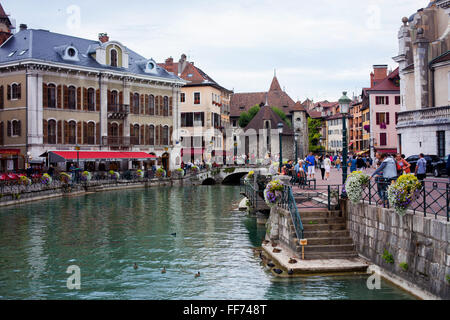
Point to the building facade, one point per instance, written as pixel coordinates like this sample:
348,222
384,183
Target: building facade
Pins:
355,125
58,92
424,59
204,113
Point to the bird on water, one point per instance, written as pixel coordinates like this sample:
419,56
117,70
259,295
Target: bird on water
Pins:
135,266
197,275
163,270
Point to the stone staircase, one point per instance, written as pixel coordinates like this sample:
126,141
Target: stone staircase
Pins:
327,235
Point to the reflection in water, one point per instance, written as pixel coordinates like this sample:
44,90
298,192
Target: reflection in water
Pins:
105,234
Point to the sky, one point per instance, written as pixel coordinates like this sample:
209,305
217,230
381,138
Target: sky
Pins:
318,48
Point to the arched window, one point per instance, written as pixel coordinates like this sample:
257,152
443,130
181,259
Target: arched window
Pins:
114,98
166,107
135,135
165,136
152,135
91,133
51,129
72,132
136,103
51,93
152,105
16,91
113,58
72,98
91,99
113,130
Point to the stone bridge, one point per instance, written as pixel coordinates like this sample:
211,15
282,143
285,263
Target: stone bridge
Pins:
225,175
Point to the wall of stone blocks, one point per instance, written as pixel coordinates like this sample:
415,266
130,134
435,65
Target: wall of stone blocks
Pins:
421,242
280,228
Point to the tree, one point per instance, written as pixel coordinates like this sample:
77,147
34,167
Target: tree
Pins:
282,115
246,117
315,128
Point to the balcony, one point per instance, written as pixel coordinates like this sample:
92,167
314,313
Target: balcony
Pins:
423,117
118,111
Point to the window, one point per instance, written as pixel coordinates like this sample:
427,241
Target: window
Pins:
91,133
152,105
1,133
199,119
152,135
187,119
165,136
51,94
135,134
197,98
16,91
383,139
441,143
91,99
234,123
113,130
397,100
51,127
2,98
380,100
166,107
71,52
182,97
136,103
15,128
72,91
113,58
72,134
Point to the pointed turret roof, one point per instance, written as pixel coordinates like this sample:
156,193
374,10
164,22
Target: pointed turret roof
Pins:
3,15
275,86
266,113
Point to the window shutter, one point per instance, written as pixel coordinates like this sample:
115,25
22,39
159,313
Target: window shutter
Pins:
85,132
97,132
97,100
170,135
396,118
170,106
1,133
9,92
109,97
147,135
66,99
387,100
378,118
142,104
131,100
44,95
2,97
132,133
85,99
121,98
157,136
121,130
66,132
387,117
60,132
45,132
142,140
79,133
58,97
19,91
19,128
147,106
8,129
79,98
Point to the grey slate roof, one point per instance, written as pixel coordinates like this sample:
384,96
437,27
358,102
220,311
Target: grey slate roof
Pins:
46,46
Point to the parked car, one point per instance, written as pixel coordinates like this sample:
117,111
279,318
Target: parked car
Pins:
435,165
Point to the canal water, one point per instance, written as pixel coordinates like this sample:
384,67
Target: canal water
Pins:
105,234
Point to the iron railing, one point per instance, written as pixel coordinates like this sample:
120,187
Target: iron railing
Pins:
255,196
289,203
432,199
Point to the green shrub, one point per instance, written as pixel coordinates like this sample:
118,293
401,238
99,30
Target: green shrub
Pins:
447,277
229,170
404,266
387,257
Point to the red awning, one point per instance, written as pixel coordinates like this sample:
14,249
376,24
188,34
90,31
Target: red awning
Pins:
393,151
62,156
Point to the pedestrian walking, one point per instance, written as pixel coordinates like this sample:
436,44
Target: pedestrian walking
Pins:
421,168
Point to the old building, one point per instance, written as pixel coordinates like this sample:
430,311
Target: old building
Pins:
276,97
59,91
383,101
204,112
355,128
424,58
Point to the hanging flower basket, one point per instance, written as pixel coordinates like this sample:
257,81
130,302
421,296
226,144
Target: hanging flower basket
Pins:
86,176
273,193
140,174
195,169
403,192
114,175
25,181
46,180
161,173
65,178
179,173
249,176
355,184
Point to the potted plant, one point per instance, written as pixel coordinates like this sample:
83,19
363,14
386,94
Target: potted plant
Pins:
355,184
46,180
403,192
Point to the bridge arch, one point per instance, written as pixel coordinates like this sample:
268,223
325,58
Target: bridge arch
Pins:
234,178
209,182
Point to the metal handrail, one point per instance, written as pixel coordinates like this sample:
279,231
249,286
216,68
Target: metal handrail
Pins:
288,203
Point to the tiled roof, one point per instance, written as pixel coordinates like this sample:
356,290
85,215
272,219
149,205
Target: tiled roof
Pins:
315,114
43,45
442,58
298,107
388,83
266,113
276,97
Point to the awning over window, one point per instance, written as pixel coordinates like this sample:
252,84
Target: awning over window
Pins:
63,156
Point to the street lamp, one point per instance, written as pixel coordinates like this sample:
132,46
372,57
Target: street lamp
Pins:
77,147
280,133
344,106
296,148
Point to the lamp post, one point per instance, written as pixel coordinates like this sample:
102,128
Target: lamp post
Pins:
296,148
280,133
77,147
344,106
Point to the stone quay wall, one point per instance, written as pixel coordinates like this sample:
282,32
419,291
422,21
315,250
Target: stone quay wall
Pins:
413,247
280,229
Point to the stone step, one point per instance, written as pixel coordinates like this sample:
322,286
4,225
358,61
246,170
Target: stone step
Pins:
324,227
330,248
321,220
330,255
326,234
329,241
320,214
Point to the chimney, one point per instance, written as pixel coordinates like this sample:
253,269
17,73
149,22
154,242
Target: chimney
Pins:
103,37
169,65
23,27
182,64
379,74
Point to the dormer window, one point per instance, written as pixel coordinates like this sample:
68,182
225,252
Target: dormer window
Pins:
113,58
70,53
150,66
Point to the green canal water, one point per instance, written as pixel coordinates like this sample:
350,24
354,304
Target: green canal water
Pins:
105,234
